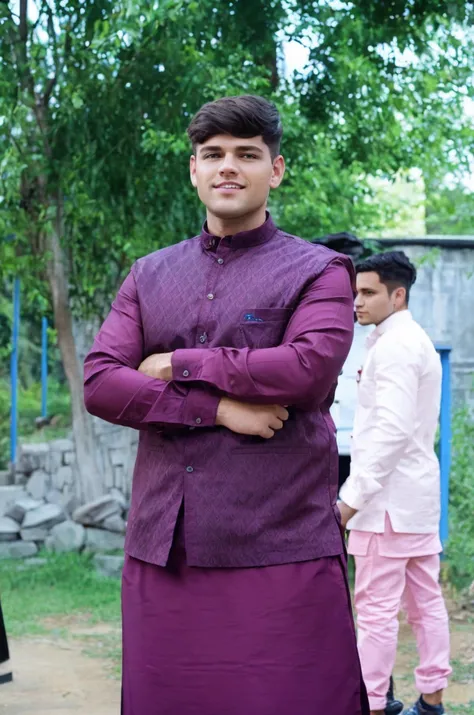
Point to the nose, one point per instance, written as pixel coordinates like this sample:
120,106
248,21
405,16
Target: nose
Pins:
358,303
228,165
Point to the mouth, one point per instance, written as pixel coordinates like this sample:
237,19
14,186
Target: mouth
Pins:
228,187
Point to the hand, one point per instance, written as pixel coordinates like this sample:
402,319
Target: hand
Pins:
347,512
158,366
257,420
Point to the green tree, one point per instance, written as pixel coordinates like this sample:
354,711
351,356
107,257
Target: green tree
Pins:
95,96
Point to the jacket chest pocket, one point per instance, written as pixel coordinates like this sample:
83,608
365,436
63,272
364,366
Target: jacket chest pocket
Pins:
263,327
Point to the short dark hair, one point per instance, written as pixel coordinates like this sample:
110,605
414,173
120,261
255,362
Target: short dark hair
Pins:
244,116
393,269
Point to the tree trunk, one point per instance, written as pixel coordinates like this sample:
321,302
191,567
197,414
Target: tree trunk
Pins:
89,477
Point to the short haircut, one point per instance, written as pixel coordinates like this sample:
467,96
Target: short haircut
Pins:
393,269
244,116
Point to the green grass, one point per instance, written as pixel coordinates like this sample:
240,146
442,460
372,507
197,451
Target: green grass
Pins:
467,709
66,585
462,672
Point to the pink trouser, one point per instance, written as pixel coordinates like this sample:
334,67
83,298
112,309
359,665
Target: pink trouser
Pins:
383,585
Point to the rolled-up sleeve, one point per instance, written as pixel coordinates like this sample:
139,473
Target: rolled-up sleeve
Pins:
307,363
114,389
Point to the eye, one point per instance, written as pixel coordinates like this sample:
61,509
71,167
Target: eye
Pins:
211,155
249,156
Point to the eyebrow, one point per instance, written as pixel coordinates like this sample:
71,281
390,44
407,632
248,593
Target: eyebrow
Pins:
243,147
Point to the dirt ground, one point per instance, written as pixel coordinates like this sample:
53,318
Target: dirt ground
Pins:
70,671
61,675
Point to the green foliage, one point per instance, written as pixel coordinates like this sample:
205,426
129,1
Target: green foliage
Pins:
450,211
66,585
96,96
29,407
460,550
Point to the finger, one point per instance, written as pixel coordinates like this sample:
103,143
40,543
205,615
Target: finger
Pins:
275,424
282,413
267,433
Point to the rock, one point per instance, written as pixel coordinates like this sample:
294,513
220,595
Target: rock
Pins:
69,500
96,511
54,462
69,457
6,477
34,533
62,445
54,496
109,566
119,498
9,529
32,457
8,496
100,540
114,523
37,484
64,475
17,549
46,516
18,510
67,536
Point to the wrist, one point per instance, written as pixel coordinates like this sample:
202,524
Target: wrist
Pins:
221,412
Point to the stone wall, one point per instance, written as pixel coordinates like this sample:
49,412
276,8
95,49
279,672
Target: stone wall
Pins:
40,508
50,468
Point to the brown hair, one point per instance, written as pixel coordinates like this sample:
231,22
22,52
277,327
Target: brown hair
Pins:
245,116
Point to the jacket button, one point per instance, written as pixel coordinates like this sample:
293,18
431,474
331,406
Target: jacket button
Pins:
185,373
210,296
190,469
198,420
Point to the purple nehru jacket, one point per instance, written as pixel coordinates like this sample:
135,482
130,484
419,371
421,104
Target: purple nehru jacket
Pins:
235,598
262,317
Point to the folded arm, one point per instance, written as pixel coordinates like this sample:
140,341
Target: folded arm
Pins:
304,367
114,389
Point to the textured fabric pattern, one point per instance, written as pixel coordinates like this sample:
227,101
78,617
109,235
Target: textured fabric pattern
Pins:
280,311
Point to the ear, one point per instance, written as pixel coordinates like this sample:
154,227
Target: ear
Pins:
400,296
278,172
192,170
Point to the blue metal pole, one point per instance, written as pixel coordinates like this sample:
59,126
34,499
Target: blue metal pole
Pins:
44,367
14,372
445,442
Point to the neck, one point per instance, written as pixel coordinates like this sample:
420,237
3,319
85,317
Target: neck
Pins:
230,226
394,312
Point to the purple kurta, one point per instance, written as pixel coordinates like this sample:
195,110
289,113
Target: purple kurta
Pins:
276,640
253,618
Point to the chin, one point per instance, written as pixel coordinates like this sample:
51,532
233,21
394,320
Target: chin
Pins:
231,212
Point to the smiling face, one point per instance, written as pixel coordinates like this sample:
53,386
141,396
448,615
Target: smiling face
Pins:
233,177
374,301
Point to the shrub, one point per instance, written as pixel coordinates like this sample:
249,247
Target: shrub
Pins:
460,548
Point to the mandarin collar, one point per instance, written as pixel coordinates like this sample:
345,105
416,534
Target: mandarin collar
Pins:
243,239
398,318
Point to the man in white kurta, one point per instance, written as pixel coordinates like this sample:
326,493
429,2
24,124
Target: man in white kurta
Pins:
391,499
